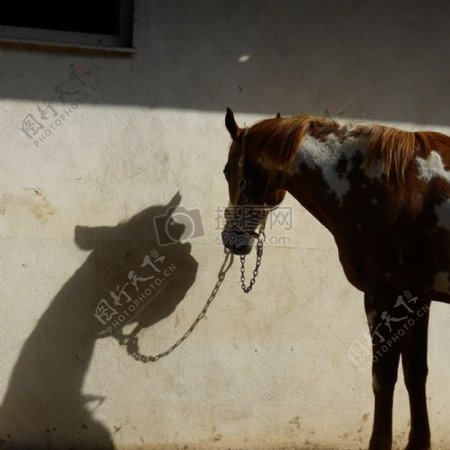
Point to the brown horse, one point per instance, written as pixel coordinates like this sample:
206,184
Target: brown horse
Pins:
384,194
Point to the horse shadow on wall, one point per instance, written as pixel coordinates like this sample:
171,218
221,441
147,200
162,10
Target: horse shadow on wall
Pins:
44,406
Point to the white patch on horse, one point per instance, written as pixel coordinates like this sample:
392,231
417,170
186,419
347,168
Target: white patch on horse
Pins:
443,214
432,167
441,282
374,201
325,156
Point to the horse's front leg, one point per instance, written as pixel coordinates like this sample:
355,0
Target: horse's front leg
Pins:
386,356
414,360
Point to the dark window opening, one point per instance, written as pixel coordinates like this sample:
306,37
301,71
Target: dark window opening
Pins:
110,22
86,16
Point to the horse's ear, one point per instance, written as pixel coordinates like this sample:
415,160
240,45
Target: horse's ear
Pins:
278,116
231,125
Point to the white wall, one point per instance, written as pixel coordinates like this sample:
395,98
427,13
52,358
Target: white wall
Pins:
273,369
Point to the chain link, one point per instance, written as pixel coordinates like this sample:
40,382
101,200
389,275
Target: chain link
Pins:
132,344
259,253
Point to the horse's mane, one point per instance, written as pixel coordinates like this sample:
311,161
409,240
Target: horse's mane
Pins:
275,142
395,148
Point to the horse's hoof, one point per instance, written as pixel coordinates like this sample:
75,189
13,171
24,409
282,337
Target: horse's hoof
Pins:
418,446
380,444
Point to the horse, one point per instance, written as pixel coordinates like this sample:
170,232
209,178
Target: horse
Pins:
384,194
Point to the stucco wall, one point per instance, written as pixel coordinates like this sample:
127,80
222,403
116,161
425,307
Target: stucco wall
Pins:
273,369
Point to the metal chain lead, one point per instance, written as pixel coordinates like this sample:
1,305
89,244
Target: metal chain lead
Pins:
132,345
259,253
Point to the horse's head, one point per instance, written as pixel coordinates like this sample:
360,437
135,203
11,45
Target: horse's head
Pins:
253,189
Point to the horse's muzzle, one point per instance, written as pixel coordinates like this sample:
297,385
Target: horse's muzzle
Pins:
238,242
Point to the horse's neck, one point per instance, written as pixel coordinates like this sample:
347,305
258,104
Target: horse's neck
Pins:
318,176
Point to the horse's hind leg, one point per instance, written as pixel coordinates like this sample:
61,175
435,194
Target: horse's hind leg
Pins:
386,356
414,360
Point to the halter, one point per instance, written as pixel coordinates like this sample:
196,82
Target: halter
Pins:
261,237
